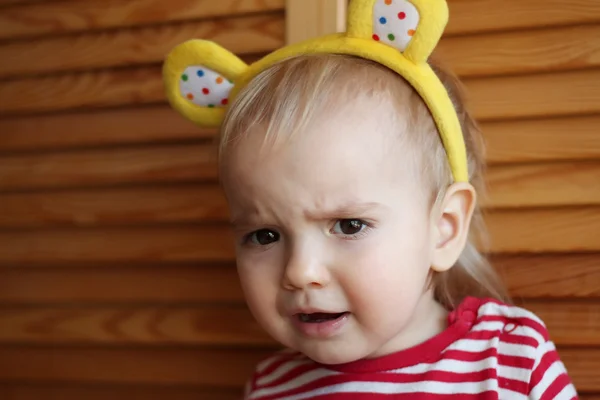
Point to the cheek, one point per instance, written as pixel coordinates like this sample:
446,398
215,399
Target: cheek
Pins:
388,270
259,279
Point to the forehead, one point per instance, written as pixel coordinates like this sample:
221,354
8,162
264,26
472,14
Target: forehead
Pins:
343,153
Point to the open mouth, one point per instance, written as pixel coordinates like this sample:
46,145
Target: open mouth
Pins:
317,318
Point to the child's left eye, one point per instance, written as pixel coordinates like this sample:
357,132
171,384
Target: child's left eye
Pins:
349,226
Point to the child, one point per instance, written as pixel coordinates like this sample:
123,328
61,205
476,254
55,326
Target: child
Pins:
351,169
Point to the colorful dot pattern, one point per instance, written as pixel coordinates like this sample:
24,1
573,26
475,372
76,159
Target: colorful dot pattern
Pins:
204,87
395,22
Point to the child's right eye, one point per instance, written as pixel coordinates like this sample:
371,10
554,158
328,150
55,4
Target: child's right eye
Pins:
263,237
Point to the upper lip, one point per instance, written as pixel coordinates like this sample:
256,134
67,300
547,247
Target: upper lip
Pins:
311,310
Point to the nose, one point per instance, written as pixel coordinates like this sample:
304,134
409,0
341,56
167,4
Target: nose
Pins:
305,268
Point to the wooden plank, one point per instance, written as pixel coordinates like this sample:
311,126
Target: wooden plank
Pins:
474,16
308,19
555,184
569,323
252,34
512,231
166,285
29,391
551,139
544,230
228,368
168,366
176,163
152,124
170,204
177,244
520,52
542,95
47,18
551,275
556,276
560,94
4,3
582,366
547,184
83,90
123,325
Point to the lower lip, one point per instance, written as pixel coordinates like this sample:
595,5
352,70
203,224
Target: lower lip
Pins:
321,329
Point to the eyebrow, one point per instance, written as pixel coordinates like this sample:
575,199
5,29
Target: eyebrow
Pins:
242,220
345,211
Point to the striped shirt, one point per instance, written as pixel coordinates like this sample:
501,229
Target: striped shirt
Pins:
489,351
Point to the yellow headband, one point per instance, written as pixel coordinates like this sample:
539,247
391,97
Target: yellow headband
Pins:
201,78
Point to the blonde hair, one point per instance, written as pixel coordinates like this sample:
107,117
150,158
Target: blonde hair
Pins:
291,94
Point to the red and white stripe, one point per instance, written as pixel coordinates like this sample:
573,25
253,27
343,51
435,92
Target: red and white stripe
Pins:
505,354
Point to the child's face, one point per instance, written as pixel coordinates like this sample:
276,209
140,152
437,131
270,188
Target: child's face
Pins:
334,240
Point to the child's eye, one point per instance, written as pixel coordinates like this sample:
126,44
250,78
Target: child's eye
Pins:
263,237
349,227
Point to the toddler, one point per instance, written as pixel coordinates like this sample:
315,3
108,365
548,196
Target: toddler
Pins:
352,168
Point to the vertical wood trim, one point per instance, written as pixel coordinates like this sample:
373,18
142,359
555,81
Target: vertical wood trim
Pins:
307,19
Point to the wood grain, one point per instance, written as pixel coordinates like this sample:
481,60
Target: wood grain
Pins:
177,244
556,276
510,186
519,52
50,18
229,368
145,326
73,15
308,19
143,125
551,275
21,391
175,163
544,230
128,206
4,3
252,34
84,90
165,284
546,139
475,16
542,95
158,366
544,184
569,323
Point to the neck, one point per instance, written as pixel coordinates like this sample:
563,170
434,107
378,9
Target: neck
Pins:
428,320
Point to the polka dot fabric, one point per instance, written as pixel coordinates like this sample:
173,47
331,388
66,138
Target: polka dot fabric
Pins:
204,87
395,22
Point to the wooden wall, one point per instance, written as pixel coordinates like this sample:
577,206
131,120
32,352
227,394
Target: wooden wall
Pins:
116,269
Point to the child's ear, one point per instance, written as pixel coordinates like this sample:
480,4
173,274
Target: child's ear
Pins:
451,223
199,76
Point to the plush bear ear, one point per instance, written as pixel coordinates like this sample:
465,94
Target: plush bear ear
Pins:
198,76
414,27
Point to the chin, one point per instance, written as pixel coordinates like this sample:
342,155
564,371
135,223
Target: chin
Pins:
330,355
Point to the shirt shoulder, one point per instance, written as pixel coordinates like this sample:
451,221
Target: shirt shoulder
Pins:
512,320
